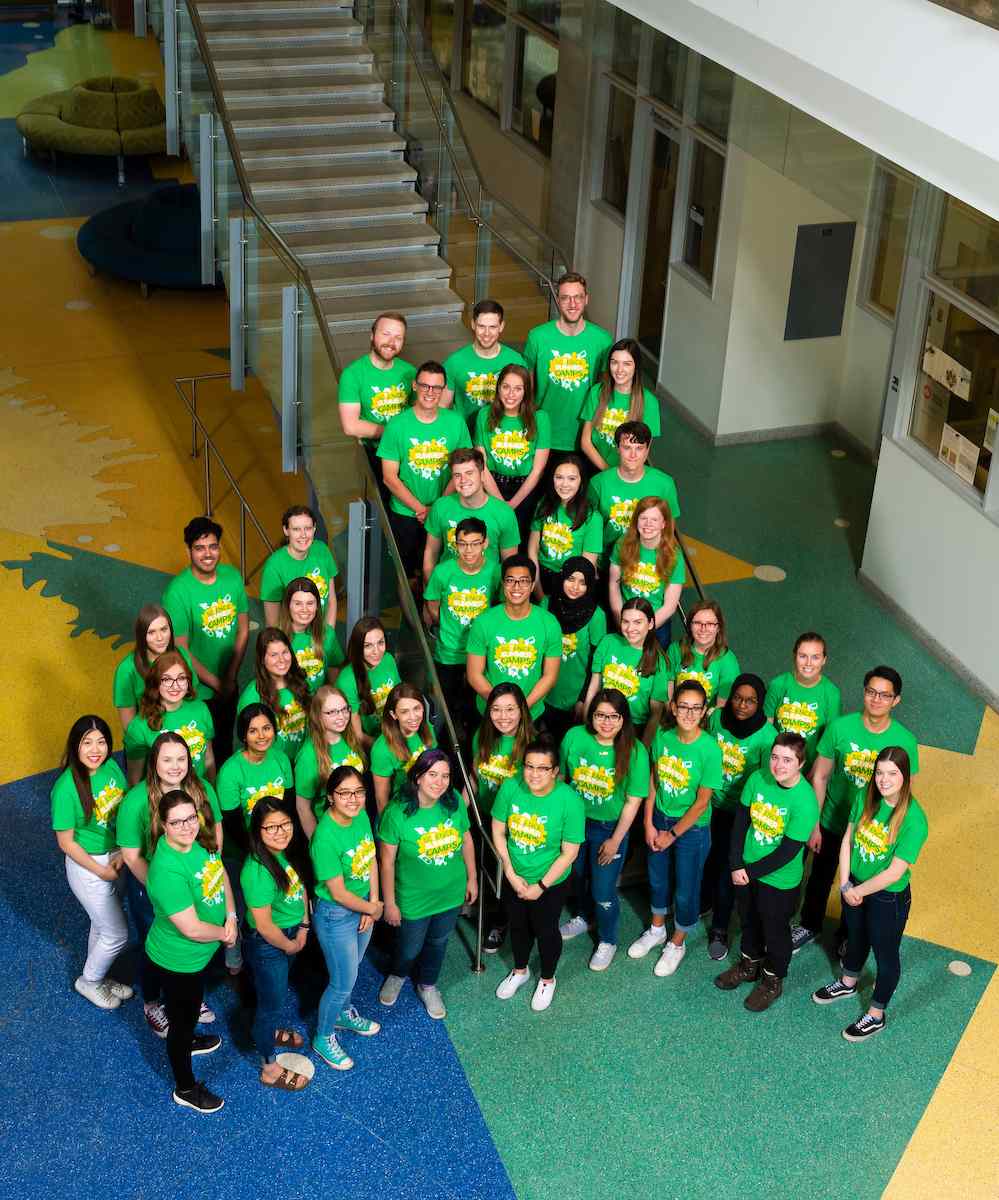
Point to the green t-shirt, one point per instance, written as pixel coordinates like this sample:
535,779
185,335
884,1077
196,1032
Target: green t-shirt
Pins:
775,813
494,771
207,614
430,873
385,765
616,662
191,720
107,786
853,749
463,597
260,890
240,783
683,767
558,540
615,498
643,580
615,414
515,651
381,394
133,817
508,449
577,654
472,378
178,881
307,781
588,768
315,665
129,684
564,369
347,850
871,852
382,680
423,450
536,826
498,517
292,718
740,758
716,679
797,709
282,567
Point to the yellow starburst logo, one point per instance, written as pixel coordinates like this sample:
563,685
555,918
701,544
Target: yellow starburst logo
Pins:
387,402
556,537
480,388
515,656
212,878
569,370
496,769
685,674
613,417
620,512
427,459
322,587
465,604
674,774
438,844
509,446
872,840
733,759
218,618
858,765
291,721
294,890
593,781
195,739
619,675
767,820
570,642
642,578
105,803
361,858
273,787
311,663
380,694
528,830
795,716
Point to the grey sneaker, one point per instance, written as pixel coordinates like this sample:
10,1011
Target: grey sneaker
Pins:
391,988
97,993
718,946
433,1002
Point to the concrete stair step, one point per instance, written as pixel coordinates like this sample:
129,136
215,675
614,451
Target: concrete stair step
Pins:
342,212
285,17
296,90
306,145
213,12
255,124
403,239
260,42
306,178
235,60
356,313
415,271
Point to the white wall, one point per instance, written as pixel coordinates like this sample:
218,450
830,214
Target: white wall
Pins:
865,373
599,250
692,365
511,171
937,559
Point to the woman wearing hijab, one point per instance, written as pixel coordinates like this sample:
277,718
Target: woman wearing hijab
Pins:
583,623
745,737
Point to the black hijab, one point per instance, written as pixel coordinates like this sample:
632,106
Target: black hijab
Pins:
572,615
744,729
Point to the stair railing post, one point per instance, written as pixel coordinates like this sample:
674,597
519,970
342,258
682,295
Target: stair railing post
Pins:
206,185
139,20
237,305
357,538
290,313
171,78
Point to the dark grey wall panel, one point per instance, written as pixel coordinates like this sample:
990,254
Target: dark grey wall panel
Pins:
822,257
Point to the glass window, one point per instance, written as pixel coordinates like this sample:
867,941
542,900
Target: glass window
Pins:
669,69
534,89
617,152
968,256
956,409
894,198
547,13
627,40
440,33
485,31
714,98
704,210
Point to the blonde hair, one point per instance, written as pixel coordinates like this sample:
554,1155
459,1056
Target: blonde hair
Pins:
317,732
873,797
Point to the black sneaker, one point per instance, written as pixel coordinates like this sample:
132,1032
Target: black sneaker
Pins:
800,937
493,940
718,945
866,1027
837,990
205,1043
199,1098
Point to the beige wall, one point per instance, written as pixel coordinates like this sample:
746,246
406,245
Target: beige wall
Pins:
599,250
864,377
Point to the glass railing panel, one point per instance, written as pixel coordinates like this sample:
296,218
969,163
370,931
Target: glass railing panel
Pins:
268,271
154,17
228,198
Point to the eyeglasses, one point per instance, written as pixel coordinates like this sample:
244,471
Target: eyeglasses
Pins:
703,624
432,389
535,767
280,827
173,681
470,543
335,712
874,694
607,716
689,708
355,794
183,822
516,583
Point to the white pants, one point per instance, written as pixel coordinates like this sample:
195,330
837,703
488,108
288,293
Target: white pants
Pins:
101,902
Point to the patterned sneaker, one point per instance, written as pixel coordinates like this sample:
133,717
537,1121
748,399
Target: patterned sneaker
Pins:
156,1019
602,957
866,1027
837,990
121,990
800,937
351,1020
206,1015
433,1001
391,988
332,1053
654,936
573,928
99,993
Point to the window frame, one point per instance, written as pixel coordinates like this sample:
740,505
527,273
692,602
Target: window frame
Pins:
873,226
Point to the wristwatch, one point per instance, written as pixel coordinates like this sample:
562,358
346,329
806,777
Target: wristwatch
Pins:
542,885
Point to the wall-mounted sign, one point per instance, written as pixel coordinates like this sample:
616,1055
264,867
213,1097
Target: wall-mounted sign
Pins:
991,425
959,454
948,371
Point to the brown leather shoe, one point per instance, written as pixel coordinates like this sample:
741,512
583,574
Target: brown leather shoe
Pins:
743,971
764,994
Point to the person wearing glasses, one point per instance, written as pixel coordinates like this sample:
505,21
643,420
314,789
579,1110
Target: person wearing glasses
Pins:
415,452
332,743
168,703
843,767
515,642
703,655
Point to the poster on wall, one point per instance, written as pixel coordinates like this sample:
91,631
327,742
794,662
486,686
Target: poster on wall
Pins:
948,371
930,413
959,454
991,425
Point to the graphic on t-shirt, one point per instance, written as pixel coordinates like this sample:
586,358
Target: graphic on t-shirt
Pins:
642,578
496,769
465,604
212,880
619,675
569,369
480,389
218,618
428,458
361,858
322,587
795,716
509,446
858,765
688,674
569,643
872,840
291,720
733,760
352,760
528,830
438,844
612,418
105,802
593,781
515,656
380,694
407,766
273,787
674,773
556,537
388,401
294,890
767,820
452,536
195,739
311,663
620,512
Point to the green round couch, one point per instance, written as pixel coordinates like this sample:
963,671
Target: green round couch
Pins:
110,116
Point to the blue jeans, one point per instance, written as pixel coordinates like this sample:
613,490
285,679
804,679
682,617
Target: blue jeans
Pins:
343,948
270,968
596,886
423,941
677,870
663,633
878,925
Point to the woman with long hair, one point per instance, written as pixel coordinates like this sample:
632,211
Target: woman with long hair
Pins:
647,563
168,703
565,524
153,636
617,397
882,842
85,800
405,734
632,662
574,604
703,654
277,913
606,764
302,555
332,743
427,872
370,674
280,683
313,642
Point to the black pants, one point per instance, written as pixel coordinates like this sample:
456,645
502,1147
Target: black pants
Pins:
410,537
183,992
825,864
509,486
559,721
878,925
460,698
550,580
537,921
717,888
223,710
766,913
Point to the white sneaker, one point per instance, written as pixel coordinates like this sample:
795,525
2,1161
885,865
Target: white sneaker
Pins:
121,990
654,936
97,993
573,928
670,959
602,957
543,995
510,986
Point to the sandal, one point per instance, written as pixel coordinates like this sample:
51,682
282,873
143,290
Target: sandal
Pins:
287,1081
288,1039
